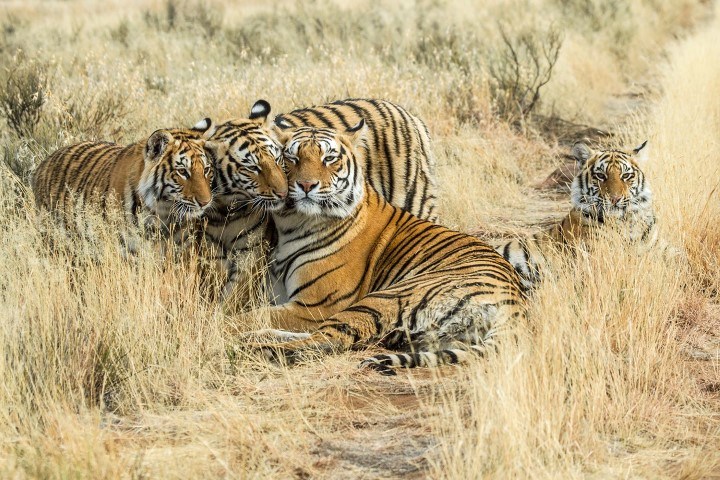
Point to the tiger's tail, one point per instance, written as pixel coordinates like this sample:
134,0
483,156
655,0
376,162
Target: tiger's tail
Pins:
385,363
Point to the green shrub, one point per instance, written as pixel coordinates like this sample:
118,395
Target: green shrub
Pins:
22,99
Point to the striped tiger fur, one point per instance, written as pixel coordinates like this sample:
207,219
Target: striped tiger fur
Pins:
166,178
397,157
355,270
610,188
249,183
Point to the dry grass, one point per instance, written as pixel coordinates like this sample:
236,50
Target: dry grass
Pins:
114,368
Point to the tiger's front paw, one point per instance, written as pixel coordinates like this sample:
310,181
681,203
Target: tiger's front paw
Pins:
273,352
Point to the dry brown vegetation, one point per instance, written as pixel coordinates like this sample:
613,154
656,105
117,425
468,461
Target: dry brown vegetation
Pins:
113,368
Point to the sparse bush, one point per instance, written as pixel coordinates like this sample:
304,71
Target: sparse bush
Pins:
157,82
313,28
466,97
186,16
520,68
95,115
8,29
611,17
121,33
21,160
22,99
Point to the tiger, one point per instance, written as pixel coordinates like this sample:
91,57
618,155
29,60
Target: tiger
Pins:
397,157
351,269
249,184
609,188
165,179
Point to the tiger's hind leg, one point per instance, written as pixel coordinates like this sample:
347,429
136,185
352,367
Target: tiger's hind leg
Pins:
432,322
363,322
447,346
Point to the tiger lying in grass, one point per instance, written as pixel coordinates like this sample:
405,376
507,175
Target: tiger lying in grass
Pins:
165,179
609,190
354,270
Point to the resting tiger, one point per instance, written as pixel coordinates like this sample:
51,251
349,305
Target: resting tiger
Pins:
353,269
249,183
610,188
166,178
397,157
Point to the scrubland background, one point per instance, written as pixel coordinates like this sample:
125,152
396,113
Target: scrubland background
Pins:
122,369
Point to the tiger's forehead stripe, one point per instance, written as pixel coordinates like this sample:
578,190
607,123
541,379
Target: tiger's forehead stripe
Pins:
607,158
325,138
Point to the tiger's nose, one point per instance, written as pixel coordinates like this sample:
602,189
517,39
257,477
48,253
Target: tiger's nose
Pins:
307,186
615,199
281,194
203,202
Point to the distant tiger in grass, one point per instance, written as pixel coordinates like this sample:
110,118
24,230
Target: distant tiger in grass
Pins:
355,270
397,156
249,183
166,178
610,188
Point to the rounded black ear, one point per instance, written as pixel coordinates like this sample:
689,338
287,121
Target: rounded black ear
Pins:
636,150
206,127
356,134
156,145
260,110
581,153
282,134
357,127
283,123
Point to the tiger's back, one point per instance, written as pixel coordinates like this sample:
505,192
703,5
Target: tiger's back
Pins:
397,157
86,169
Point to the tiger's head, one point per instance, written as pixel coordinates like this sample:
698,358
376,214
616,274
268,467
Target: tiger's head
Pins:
177,175
610,182
248,163
324,175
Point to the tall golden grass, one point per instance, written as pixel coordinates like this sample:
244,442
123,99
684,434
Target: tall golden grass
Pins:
115,368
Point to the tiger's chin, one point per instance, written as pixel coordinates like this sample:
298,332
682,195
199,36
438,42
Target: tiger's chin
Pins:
601,212
617,212
330,209
306,206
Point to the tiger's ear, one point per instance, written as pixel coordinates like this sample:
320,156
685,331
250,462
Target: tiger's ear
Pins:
206,127
357,134
641,153
581,153
260,112
282,134
282,123
157,145
216,149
